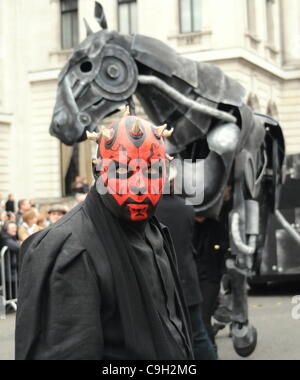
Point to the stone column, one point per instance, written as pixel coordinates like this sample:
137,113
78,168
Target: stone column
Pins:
290,18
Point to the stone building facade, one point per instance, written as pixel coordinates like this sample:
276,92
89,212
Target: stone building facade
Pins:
256,42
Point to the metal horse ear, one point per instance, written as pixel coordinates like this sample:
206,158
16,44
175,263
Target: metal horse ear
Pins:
100,15
89,30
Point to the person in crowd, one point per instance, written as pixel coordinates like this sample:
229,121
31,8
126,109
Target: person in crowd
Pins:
8,237
24,205
29,225
3,218
85,186
212,243
10,204
77,186
56,213
179,218
102,284
42,222
11,217
44,213
32,204
2,205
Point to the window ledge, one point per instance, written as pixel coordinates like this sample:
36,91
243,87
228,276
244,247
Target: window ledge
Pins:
253,37
272,49
190,38
6,118
191,35
61,52
292,65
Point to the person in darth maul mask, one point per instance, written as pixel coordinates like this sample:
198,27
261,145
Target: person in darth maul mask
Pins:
102,283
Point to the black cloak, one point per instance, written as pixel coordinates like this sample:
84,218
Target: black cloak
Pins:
180,219
83,296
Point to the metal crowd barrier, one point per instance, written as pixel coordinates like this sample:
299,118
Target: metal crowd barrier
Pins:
9,278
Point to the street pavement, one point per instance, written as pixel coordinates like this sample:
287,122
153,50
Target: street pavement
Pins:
279,334
270,312
7,327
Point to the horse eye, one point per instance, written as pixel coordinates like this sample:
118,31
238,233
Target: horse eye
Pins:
86,67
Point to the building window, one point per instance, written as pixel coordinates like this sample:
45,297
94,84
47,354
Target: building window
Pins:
270,22
190,16
69,23
251,16
127,16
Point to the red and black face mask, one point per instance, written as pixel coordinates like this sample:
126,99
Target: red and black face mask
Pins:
132,167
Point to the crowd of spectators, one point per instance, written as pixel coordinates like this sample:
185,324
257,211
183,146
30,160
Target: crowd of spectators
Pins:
16,227
19,220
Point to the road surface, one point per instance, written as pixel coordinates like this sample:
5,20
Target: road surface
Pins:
270,311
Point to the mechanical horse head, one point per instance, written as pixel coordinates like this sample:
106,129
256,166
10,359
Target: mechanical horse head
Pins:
108,68
204,107
97,80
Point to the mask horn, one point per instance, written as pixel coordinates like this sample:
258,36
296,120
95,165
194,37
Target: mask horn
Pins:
104,131
107,133
164,132
168,133
93,136
89,30
100,15
169,158
136,130
126,111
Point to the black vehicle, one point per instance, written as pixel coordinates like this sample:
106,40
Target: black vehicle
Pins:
280,257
